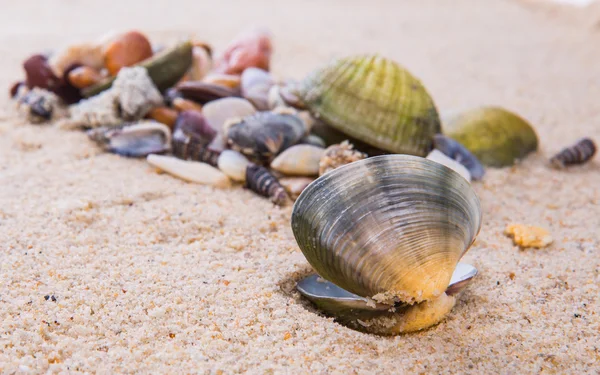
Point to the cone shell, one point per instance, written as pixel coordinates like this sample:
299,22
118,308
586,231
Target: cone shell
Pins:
375,100
390,227
494,135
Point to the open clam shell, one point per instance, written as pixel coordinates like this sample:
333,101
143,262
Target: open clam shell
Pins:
342,304
391,228
496,136
375,100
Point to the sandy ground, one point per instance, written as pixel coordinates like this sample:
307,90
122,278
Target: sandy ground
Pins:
145,273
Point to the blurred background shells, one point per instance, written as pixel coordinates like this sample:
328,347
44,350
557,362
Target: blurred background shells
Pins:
252,48
338,155
255,86
164,115
165,69
191,171
40,75
203,92
84,76
299,160
134,140
193,123
201,63
375,100
579,153
496,136
127,49
263,135
90,54
233,164
458,153
228,80
390,227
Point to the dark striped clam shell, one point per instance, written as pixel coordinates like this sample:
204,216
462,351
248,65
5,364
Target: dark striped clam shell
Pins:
390,227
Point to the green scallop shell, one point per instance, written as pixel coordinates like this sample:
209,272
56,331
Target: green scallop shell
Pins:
496,136
374,100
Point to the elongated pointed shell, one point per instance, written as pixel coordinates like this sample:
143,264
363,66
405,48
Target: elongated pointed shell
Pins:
494,135
390,227
375,100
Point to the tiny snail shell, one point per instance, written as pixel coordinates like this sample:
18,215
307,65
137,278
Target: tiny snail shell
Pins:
580,153
261,181
190,147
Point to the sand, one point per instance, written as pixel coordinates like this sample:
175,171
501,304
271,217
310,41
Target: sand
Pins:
108,267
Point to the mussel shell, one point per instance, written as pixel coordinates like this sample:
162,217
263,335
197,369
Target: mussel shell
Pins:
136,140
343,305
390,227
497,137
261,136
375,100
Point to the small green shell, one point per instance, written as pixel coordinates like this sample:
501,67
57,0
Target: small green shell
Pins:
374,100
496,136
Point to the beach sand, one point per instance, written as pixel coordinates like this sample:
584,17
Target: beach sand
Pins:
145,273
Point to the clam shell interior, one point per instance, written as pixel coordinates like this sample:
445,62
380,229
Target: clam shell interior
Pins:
338,302
390,227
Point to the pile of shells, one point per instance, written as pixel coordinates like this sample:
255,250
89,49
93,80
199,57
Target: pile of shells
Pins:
384,207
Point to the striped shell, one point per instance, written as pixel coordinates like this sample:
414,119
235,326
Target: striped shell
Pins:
494,135
390,227
374,100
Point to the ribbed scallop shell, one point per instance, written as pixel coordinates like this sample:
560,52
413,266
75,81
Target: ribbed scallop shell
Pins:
375,100
390,227
497,137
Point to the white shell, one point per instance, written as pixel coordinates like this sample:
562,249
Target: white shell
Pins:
217,112
233,164
191,171
299,160
201,63
439,157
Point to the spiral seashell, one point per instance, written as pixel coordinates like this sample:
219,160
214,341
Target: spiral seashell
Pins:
262,182
580,153
374,100
189,147
391,228
494,135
